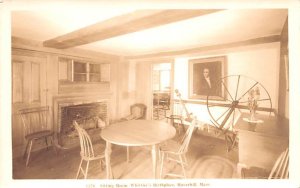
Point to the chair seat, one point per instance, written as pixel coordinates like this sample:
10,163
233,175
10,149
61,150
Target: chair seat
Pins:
99,149
40,134
99,152
170,146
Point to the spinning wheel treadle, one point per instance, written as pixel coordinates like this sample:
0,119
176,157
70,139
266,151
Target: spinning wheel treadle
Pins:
236,93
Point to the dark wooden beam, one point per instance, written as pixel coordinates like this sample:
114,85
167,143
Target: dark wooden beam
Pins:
124,24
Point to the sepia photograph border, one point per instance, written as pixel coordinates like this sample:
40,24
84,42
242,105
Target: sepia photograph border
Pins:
6,179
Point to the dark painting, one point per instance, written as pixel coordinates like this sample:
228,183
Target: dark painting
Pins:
204,77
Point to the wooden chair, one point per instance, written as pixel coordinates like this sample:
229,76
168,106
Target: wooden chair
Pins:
176,117
280,169
161,104
35,121
137,111
176,151
88,151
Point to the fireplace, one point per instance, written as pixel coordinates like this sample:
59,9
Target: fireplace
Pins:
92,115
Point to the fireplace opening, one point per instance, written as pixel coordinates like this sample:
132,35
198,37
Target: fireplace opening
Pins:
91,116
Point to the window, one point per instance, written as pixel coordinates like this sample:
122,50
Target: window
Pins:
161,77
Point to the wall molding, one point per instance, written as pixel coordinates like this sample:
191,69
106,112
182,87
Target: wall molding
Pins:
36,46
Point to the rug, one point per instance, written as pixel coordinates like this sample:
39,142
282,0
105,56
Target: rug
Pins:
213,167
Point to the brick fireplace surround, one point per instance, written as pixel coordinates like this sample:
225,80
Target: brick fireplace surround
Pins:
67,109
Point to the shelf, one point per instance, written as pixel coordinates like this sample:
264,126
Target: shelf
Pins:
83,72
253,121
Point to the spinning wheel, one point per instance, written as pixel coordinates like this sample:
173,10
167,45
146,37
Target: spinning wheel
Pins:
232,95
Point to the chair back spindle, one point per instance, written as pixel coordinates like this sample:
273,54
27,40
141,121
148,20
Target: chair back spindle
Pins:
85,142
178,151
34,119
280,169
87,152
187,137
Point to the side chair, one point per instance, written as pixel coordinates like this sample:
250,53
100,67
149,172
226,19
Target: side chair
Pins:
137,111
176,151
280,169
176,118
89,152
35,121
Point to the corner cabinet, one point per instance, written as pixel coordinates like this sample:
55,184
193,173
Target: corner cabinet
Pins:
82,76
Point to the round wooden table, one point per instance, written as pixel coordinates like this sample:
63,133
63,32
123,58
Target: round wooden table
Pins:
136,133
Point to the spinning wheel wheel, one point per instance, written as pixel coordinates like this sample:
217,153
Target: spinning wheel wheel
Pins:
233,94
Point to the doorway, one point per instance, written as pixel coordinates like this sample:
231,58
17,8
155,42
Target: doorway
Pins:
161,90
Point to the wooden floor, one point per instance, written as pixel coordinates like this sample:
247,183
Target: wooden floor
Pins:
207,158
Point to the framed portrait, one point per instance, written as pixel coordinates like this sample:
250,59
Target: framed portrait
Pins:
204,75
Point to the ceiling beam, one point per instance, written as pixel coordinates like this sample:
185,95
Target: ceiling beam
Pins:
121,25
255,41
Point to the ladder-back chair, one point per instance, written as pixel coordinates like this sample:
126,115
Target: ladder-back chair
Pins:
176,151
36,126
89,152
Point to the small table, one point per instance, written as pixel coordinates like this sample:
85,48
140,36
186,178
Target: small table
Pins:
136,133
261,142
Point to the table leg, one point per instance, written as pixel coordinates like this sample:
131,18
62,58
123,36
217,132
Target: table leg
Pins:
154,159
109,174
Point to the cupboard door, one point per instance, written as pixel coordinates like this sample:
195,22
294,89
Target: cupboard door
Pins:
94,73
28,90
80,72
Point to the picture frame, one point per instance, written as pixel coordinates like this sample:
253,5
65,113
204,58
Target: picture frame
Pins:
199,86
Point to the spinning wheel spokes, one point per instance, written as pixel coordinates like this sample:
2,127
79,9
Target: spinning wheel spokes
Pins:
248,90
227,91
223,114
223,111
236,96
237,87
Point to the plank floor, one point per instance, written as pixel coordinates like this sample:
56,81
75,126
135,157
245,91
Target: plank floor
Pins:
207,158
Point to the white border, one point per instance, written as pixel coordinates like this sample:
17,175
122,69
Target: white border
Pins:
5,87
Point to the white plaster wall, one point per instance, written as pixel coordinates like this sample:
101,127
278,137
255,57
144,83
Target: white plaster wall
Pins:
260,62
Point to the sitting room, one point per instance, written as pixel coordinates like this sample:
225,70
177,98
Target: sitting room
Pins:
124,93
